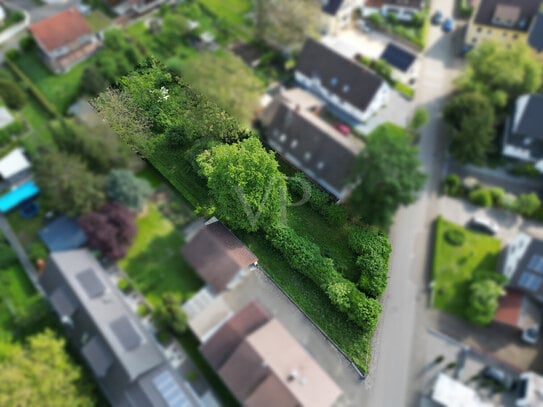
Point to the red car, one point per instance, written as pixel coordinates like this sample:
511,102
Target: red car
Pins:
342,128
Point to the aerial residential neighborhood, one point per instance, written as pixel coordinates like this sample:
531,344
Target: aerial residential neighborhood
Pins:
271,203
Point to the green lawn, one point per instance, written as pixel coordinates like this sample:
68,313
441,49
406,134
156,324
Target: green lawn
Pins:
453,266
154,261
27,229
61,90
232,12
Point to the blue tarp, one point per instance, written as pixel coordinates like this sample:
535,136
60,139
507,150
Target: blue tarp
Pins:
62,234
17,196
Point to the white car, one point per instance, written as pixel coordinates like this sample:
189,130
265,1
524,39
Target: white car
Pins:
484,224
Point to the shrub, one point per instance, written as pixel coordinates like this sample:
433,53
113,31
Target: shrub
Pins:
361,240
142,310
481,197
27,43
527,204
404,89
7,255
169,315
36,251
526,170
124,285
455,237
508,201
12,94
335,215
480,275
12,54
453,185
376,19
497,194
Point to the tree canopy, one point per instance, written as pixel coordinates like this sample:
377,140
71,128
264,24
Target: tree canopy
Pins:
168,314
483,301
285,24
224,78
502,72
123,186
40,373
12,94
389,175
470,118
248,190
66,183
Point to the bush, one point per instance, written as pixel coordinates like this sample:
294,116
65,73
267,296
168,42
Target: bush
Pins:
7,255
480,275
404,89
455,237
525,170
124,285
36,251
12,94
12,54
452,185
169,315
481,197
142,310
527,204
508,201
27,43
497,194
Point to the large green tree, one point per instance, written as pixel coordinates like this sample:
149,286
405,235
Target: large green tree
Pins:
470,117
123,186
388,174
502,72
40,373
483,301
248,190
67,184
224,78
285,24
12,94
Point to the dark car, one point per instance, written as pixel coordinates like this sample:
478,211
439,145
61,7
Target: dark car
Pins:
437,18
448,25
498,376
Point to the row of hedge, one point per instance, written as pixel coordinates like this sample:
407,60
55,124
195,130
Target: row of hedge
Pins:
33,89
13,129
305,258
384,70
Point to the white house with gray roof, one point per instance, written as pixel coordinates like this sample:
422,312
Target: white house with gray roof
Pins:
125,358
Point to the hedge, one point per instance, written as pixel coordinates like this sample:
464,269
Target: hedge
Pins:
26,83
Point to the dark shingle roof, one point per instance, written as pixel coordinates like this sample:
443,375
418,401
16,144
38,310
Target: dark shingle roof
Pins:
341,76
418,4
62,234
528,274
525,130
320,151
332,6
536,33
527,9
398,57
217,255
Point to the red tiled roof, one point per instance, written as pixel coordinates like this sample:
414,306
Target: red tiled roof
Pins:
60,29
509,307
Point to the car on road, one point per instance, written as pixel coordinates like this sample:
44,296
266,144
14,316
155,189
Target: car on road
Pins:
437,18
342,128
483,224
448,25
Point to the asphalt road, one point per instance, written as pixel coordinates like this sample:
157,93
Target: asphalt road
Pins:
399,343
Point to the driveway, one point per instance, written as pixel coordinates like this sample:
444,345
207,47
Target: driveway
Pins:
352,42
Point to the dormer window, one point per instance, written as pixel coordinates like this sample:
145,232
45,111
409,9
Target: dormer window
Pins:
333,81
346,88
294,144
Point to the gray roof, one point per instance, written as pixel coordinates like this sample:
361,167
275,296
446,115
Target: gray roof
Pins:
524,9
332,6
528,269
525,129
344,77
535,39
313,146
119,350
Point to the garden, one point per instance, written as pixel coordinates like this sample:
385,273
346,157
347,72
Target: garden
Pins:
415,31
464,264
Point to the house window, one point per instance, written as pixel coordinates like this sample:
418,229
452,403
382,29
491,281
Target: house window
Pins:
333,81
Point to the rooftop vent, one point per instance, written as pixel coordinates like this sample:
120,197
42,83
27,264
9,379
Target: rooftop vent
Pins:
293,375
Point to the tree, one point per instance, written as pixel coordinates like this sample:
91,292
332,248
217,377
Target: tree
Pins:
40,373
248,190
66,183
419,119
174,27
168,314
224,78
470,118
123,186
483,301
110,230
527,204
502,72
389,175
12,94
285,24
92,81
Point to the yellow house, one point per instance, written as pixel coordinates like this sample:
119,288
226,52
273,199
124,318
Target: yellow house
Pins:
506,21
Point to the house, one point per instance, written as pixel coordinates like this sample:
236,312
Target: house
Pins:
125,359
517,310
338,14
522,264
132,7
264,366
218,256
62,234
64,40
15,166
506,21
344,83
404,10
523,138
294,130
403,62
448,392
535,38
530,390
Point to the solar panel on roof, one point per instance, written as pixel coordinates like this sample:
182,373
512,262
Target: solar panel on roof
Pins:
126,333
170,391
91,283
530,281
397,57
536,264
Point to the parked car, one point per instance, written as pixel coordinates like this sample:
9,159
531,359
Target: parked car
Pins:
342,128
531,335
498,376
483,224
448,25
363,26
437,18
